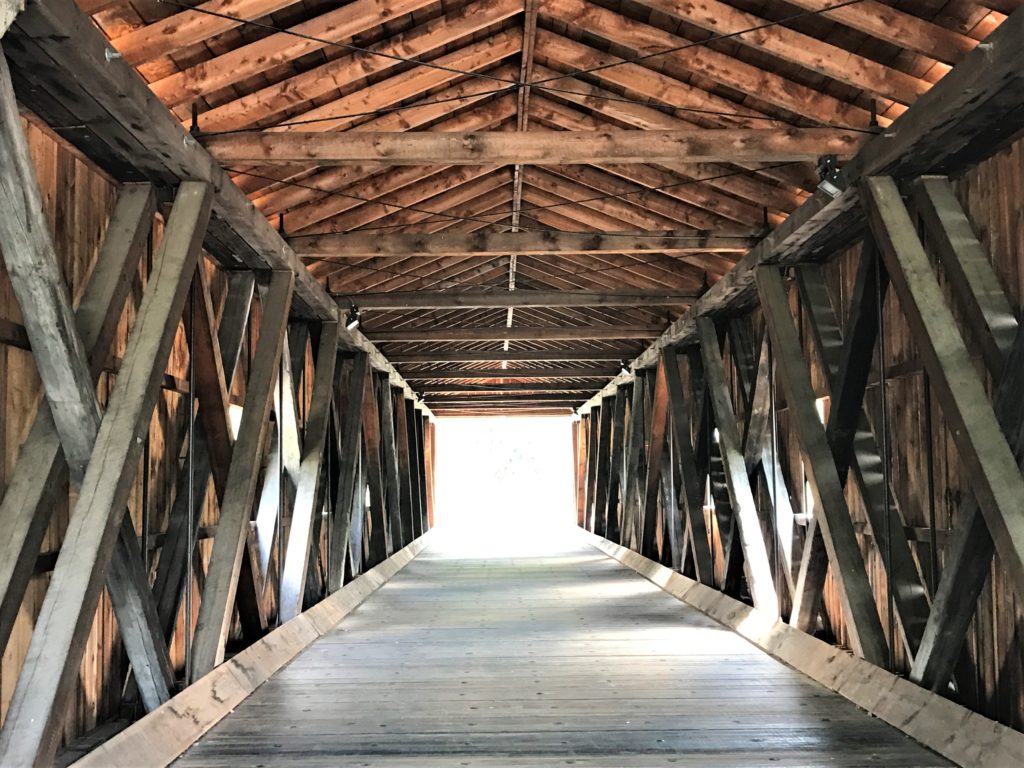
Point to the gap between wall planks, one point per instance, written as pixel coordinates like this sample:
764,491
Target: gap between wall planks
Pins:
164,734
955,732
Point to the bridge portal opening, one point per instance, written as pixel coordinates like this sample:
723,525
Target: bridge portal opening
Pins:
504,484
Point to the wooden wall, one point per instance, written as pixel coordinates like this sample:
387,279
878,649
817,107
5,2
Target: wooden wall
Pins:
79,200
928,478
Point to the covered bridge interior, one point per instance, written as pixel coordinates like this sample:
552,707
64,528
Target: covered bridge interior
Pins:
760,261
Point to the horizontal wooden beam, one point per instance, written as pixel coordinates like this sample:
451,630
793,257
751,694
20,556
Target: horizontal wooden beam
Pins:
499,410
357,245
520,298
512,373
455,400
473,356
513,388
700,145
554,333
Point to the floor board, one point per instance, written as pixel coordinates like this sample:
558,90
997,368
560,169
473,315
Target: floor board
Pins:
555,660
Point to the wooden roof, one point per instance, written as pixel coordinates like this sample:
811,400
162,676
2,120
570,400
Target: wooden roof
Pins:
252,69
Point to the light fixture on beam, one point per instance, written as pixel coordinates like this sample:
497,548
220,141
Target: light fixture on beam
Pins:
828,172
352,319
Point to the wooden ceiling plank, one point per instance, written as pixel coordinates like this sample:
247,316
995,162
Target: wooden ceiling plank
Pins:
421,41
545,355
816,55
520,298
763,85
322,186
608,104
894,26
964,119
518,333
638,188
336,26
418,195
688,183
378,187
344,112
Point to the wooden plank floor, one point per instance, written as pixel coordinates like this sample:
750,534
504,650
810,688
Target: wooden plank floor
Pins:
566,659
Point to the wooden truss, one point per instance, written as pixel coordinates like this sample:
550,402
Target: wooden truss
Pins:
280,507
725,494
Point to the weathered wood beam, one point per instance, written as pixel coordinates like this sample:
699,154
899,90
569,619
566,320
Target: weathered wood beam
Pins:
658,421
405,474
511,388
307,89
831,511
379,535
400,300
580,465
34,269
309,495
516,355
218,600
968,561
599,511
392,481
992,469
552,333
171,567
741,496
963,119
511,373
704,145
40,474
593,440
847,358
616,459
285,46
896,27
691,489
351,415
34,724
629,533
986,308
816,55
731,71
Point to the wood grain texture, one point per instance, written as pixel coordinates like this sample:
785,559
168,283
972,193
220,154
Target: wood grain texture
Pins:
555,659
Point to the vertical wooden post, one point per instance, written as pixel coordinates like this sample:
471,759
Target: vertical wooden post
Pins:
380,535
348,470
615,462
392,479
